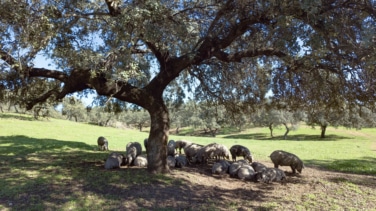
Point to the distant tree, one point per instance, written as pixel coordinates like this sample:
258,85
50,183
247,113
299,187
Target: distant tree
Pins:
206,116
41,111
73,108
3,101
212,117
138,118
266,118
368,116
98,116
325,117
291,120
239,120
177,120
273,118
106,111
181,117
9,100
359,117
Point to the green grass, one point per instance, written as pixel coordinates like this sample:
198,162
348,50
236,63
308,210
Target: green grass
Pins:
55,165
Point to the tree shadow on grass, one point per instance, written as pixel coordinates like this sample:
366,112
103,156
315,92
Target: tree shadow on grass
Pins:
300,137
253,136
23,145
16,116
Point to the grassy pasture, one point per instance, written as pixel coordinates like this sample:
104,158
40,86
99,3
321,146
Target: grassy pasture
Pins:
55,165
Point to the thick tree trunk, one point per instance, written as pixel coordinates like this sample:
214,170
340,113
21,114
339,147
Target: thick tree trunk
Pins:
323,130
158,137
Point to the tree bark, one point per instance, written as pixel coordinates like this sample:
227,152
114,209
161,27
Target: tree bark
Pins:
158,138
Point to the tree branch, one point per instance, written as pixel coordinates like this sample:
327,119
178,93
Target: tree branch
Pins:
162,57
81,79
45,73
236,57
31,102
6,57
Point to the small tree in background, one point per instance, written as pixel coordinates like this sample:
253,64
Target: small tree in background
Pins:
359,117
291,120
239,120
266,118
139,118
74,108
324,118
182,116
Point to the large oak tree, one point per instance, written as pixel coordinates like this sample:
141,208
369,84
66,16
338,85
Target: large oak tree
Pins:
233,51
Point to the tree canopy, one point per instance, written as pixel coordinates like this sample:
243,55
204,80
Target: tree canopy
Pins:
309,53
